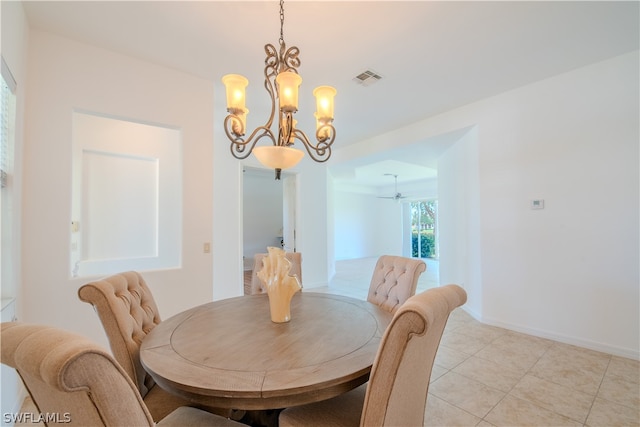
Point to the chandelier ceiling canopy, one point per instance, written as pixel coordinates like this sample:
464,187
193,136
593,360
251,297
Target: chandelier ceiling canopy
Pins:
281,82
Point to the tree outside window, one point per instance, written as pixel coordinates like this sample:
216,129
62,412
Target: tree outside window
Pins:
423,228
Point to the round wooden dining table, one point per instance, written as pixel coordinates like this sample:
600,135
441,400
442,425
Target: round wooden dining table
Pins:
230,354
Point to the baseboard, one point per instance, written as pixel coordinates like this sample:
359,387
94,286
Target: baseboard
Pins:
565,339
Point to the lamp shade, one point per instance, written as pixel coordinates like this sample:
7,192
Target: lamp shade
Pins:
278,157
324,103
235,85
288,83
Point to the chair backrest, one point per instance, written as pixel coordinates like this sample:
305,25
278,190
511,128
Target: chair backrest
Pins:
71,380
128,313
394,280
399,381
258,287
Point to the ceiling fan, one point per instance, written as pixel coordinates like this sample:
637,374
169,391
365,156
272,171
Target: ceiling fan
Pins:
397,196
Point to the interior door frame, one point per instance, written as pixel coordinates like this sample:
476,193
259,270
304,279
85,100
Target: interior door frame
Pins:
289,212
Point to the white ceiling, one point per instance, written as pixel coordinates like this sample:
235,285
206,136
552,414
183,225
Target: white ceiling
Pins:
433,55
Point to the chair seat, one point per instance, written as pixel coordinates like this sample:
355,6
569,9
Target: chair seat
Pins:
396,394
341,411
66,373
192,417
160,403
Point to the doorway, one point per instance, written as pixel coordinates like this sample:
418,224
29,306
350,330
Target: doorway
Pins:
269,214
289,192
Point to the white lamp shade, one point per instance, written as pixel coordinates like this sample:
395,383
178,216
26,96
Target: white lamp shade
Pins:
324,103
235,85
278,157
288,83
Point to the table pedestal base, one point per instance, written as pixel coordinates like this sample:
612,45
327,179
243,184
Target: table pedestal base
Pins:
257,418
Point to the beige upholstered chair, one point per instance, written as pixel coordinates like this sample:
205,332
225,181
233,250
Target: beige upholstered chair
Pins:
394,280
396,394
257,287
128,313
80,384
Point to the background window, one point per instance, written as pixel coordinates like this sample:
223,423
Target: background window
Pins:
7,142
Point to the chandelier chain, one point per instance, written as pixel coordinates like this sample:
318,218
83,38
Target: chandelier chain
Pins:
281,22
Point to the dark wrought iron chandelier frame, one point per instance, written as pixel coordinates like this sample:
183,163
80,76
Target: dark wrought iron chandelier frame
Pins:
278,61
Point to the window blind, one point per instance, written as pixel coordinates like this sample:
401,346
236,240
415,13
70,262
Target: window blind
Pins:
7,118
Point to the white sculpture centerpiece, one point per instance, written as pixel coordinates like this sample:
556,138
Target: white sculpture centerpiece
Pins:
279,285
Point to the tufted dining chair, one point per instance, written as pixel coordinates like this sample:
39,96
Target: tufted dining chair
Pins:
128,313
257,286
394,280
396,394
75,382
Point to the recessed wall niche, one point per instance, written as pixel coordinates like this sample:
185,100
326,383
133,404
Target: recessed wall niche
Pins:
127,196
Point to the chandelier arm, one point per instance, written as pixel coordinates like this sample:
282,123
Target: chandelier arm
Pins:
239,145
286,133
272,65
326,134
290,59
268,85
320,152
242,148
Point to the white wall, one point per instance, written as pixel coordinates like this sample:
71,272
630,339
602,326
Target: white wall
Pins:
311,218
65,75
458,219
570,271
262,212
366,226
123,163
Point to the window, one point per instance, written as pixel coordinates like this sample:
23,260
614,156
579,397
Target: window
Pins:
423,228
7,141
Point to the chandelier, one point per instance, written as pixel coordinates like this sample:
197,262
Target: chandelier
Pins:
281,80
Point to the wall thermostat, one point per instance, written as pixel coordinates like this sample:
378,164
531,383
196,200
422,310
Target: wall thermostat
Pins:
537,204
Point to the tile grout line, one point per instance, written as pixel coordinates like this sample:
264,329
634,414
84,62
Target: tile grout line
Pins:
595,396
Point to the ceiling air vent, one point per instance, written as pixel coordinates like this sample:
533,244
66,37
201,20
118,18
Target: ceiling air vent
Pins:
367,78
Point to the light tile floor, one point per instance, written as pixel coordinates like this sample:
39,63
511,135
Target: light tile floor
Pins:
488,376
